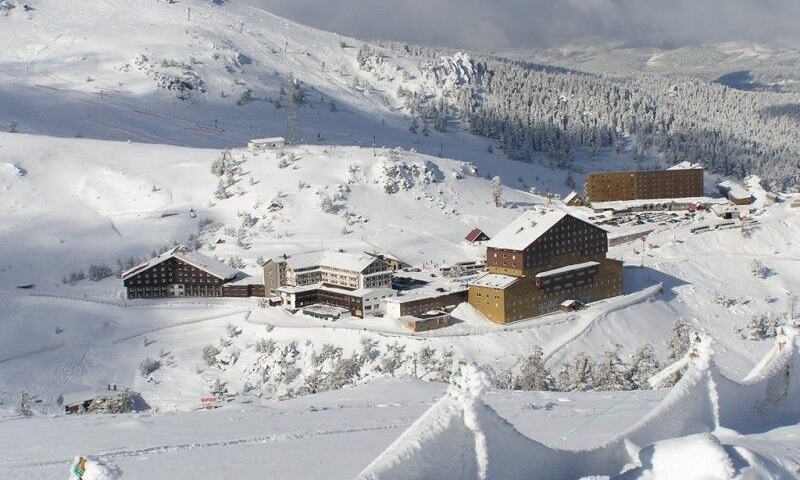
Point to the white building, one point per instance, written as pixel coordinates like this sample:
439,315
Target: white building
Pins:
259,144
330,267
358,282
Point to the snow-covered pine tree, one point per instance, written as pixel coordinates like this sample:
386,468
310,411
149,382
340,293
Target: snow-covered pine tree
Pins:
564,378
533,374
610,373
643,365
582,372
678,345
759,327
496,188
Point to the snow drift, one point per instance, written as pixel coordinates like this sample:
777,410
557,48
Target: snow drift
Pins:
460,437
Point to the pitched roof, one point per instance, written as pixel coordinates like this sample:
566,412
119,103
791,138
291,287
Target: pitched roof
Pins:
525,229
686,165
474,234
572,195
205,263
331,258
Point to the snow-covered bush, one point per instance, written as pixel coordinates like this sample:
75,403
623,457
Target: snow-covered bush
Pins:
232,330
209,354
759,270
99,271
121,402
236,261
265,345
149,365
759,327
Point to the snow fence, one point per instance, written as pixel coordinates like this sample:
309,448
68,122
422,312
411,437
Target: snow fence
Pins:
461,438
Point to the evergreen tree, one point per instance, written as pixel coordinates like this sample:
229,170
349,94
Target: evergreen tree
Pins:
496,188
643,366
582,372
534,375
610,373
564,378
678,345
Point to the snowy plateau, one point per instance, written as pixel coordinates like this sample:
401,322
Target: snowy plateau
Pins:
115,115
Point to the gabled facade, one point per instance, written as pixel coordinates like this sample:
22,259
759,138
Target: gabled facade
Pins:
541,259
476,235
178,272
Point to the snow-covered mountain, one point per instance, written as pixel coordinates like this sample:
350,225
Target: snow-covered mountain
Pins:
118,112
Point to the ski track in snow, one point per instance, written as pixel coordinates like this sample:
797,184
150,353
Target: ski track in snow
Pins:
172,448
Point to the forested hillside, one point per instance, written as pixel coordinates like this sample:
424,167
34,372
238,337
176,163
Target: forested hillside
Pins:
534,109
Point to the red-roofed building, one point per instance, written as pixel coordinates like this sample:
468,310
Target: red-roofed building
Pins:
476,235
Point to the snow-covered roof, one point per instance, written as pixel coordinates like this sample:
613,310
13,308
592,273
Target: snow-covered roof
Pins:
568,268
686,165
569,303
495,280
205,263
573,194
81,396
331,258
361,292
414,296
525,229
246,279
268,140
474,234
734,190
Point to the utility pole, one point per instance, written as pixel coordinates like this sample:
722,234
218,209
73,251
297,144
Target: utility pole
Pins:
188,13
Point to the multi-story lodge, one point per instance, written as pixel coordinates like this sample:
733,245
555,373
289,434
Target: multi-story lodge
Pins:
540,260
178,272
357,282
683,180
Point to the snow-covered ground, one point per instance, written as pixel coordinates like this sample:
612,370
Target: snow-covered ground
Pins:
111,164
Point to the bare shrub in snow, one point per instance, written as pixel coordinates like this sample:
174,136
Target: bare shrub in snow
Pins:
24,404
759,270
149,365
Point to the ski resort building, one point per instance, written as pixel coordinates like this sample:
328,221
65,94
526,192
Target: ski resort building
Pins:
574,199
680,181
424,322
259,144
358,282
476,235
178,272
540,260
737,194
419,303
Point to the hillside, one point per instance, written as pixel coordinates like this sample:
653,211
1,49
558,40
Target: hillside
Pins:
69,204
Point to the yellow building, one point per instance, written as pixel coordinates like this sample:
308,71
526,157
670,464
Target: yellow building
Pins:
540,260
